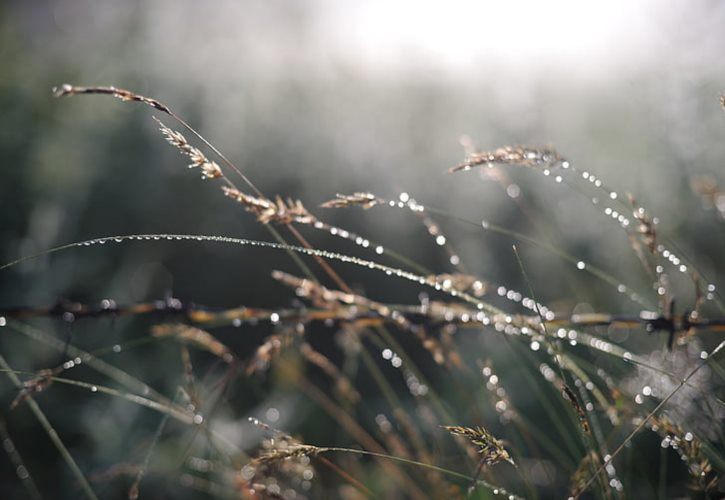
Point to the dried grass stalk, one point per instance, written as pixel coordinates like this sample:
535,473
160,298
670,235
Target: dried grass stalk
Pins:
365,200
289,450
491,449
124,95
195,336
583,473
209,169
524,156
688,447
266,210
264,355
343,385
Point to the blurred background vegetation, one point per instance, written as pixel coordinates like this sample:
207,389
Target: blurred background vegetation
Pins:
316,98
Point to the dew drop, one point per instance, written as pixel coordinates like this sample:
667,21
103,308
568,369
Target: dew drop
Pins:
580,265
272,414
94,389
22,472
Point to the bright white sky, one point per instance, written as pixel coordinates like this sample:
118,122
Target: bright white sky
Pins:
459,33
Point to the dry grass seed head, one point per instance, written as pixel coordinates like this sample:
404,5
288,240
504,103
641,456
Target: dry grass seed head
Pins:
492,450
365,200
277,211
326,298
281,458
283,449
209,169
583,473
195,336
647,226
581,414
123,94
687,446
524,156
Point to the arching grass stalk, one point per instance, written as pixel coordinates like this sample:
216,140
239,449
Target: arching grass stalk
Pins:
391,271
125,95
